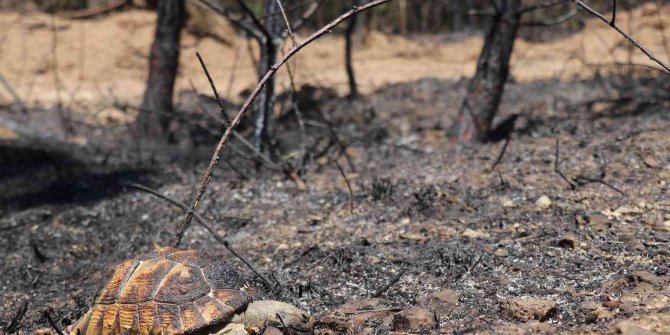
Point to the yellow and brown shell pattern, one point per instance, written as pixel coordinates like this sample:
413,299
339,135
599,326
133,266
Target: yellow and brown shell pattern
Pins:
166,292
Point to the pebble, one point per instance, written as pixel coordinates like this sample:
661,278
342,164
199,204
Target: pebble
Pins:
543,202
442,302
526,309
501,252
414,318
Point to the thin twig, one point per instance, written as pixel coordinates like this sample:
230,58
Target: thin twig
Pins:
501,154
346,180
544,5
475,263
266,160
661,28
627,36
290,9
226,118
256,21
250,100
558,20
361,139
203,223
585,180
582,180
95,11
245,26
12,92
236,170
63,113
379,310
233,70
288,24
53,325
558,170
15,320
392,282
298,114
263,159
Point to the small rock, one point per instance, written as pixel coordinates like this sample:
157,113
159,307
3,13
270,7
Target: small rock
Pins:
8,134
568,241
474,234
543,202
589,305
239,329
525,309
272,331
627,327
599,222
356,314
441,302
501,252
647,277
652,162
613,286
113,116
611,303
595,312
506,202
414,318
530,327
642,292
662,226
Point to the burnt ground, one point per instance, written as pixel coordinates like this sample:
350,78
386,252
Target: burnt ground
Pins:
427,216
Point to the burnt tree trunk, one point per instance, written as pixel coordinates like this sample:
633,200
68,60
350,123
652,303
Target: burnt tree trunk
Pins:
156,111
459,14
348,62
486,87
269,45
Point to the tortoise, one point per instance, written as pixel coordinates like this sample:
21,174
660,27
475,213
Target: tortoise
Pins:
172,291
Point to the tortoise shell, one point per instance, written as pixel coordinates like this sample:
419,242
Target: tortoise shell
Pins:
166,292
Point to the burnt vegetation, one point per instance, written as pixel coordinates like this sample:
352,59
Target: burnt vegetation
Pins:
417,167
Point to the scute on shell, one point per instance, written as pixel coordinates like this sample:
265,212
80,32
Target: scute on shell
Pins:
166,292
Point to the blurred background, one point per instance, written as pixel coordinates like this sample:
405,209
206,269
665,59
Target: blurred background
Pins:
421,135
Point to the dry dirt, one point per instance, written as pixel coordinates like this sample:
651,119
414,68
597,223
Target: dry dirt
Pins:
448,243
103,61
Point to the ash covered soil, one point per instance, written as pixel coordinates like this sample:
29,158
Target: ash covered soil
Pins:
433,239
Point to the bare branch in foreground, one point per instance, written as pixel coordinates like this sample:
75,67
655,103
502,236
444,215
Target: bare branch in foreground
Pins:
250,100
203,223
226,118
627,36
288,24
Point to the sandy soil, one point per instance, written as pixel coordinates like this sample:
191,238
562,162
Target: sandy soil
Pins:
104,60
448,242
